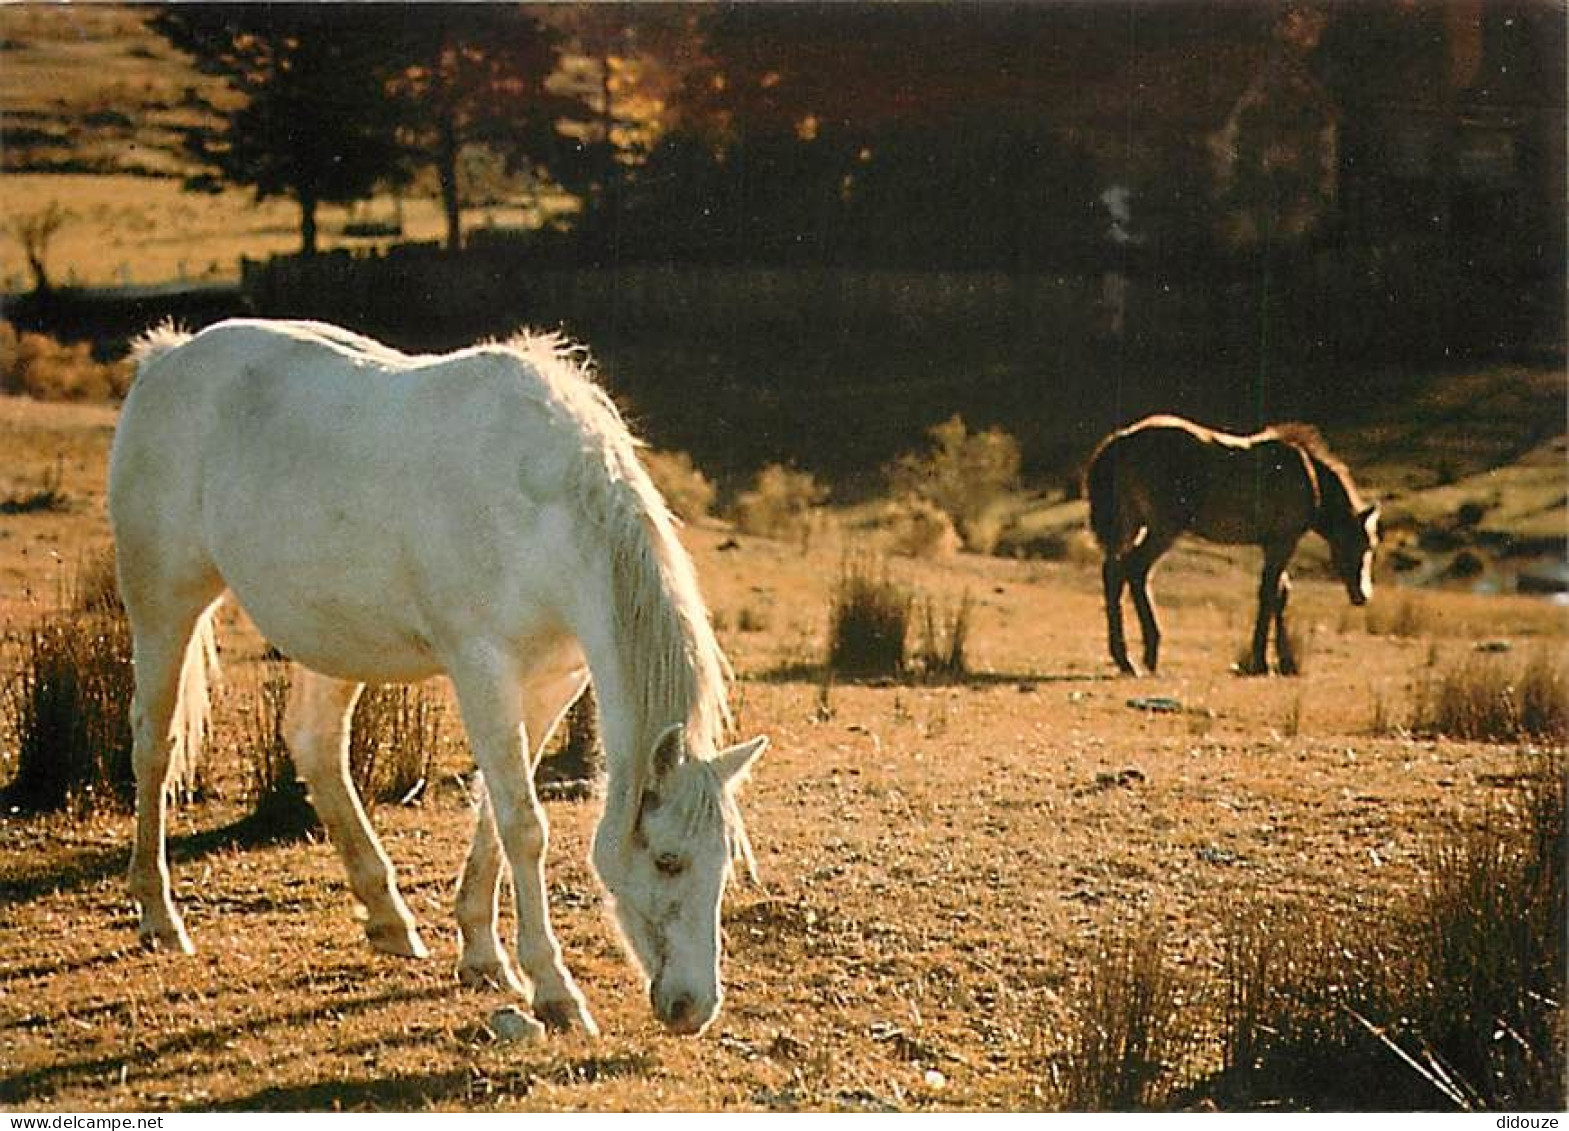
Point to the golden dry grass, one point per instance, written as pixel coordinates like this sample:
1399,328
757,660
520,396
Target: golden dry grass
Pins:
940,865
138,230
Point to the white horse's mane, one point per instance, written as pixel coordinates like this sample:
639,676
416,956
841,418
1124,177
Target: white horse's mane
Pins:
668,648
157,340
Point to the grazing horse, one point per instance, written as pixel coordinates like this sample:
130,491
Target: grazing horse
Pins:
385,518
1165,476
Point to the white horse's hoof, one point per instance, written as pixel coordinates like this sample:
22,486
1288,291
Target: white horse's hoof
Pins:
495,974
563,1014
398,939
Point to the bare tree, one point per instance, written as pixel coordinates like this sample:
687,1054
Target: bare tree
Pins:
35,231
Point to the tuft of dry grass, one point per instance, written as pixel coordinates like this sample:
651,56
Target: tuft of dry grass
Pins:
578,757
95,588
1132,1029
781,504
47,496
868,621
394,739
68,701
1409,616
68,704
281,809
688,492
1483,699
942,652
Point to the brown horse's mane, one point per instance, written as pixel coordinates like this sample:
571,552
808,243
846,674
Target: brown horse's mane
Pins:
1310,440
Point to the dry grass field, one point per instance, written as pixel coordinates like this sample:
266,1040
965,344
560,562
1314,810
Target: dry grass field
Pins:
939,862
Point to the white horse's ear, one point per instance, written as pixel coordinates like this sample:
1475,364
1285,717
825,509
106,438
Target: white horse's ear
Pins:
669,750
734,764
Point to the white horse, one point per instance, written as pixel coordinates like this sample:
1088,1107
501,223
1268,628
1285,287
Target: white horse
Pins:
384,518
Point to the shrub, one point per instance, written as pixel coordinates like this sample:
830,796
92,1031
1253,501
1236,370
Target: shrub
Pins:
68,702
1130,1031
967,475
869,617
69,705
281,808
38,366
919,528
578,756
1453,998
394,738
1482,700
942,651
781,504
687,491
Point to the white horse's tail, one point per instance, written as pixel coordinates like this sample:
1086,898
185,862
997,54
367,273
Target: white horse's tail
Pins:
193,710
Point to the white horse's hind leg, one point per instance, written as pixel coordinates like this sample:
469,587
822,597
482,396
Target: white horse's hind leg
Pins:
489,693
317,729
484,960
159,647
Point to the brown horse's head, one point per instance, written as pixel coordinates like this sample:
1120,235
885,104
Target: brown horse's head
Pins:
1352,539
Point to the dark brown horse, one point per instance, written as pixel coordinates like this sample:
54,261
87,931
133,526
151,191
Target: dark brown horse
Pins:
1165,476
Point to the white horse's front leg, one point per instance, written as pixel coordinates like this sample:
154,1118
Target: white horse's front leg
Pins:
492,704
317,729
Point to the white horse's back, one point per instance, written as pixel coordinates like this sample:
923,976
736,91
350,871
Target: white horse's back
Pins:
341,490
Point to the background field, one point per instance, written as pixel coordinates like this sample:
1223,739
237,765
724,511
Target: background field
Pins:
938,863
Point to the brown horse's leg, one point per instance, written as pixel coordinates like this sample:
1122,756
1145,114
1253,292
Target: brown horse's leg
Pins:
1288,661
1139,563
1268,604
1113,579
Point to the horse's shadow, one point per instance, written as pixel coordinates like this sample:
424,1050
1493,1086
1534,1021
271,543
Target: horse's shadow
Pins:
818,674
93,866
39,1083
391,1093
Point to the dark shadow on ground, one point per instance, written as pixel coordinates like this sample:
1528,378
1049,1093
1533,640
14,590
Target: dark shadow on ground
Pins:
93,866
817,675
34,1084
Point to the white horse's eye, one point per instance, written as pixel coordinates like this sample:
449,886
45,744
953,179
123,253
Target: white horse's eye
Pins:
670,864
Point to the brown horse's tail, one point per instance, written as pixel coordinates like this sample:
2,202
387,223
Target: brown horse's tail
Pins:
1100,487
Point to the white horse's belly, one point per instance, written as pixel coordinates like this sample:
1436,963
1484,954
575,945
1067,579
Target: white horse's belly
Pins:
327,595
343,639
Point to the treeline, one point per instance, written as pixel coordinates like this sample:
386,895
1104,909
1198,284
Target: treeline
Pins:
1136,139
